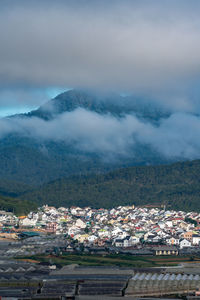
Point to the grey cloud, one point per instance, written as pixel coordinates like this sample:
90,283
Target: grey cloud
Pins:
124,45
174,137
89,131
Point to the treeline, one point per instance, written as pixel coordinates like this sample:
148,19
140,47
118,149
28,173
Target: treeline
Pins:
176,185
16,206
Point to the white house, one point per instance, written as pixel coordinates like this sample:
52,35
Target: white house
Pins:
169,223
135,240
119,242
173,241
184,243
161,224
80,224
127,242
92,238
28,222
195,239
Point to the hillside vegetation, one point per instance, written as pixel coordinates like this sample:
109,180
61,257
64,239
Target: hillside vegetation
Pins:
177,185
16,206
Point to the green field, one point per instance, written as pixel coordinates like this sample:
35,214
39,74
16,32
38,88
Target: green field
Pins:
114,260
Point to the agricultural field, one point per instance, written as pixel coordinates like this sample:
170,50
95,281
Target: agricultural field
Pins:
114,260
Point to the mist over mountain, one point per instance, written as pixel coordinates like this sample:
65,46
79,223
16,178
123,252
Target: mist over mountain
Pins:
100,103
81,132
109,92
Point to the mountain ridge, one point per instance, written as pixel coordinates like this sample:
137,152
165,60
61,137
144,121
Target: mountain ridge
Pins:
36,161
113,104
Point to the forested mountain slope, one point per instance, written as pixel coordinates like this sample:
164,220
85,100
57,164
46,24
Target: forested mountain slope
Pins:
177,185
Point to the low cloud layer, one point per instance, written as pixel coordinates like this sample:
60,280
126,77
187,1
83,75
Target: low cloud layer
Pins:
140,46
175,137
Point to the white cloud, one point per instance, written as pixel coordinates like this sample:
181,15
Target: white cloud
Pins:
175,137
119,45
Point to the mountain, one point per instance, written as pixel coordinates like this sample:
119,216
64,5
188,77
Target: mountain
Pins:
113,104
34,161
176,185
62,172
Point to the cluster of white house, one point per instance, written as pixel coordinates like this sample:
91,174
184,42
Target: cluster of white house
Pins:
123,226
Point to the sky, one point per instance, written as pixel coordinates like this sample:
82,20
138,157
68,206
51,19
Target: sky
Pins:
149,48
21,99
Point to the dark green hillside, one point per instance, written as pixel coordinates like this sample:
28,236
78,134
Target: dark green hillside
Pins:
33,164
13,189
16,206
177,185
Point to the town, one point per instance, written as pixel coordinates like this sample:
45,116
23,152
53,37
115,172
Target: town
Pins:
78,253
124,229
